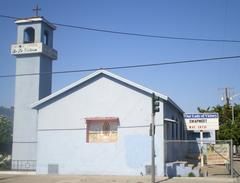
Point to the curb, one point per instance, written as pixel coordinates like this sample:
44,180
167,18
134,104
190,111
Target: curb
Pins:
17,173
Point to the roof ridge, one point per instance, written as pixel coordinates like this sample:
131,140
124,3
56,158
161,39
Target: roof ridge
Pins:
35,105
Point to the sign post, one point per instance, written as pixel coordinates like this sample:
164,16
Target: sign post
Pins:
201,141
202,122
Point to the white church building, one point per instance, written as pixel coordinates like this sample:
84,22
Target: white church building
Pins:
98,125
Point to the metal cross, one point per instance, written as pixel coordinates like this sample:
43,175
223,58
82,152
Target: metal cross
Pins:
37,9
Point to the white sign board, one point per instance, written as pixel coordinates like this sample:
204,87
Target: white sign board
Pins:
26,48
202,121
20,49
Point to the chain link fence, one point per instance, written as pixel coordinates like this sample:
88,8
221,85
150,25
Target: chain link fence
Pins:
195,158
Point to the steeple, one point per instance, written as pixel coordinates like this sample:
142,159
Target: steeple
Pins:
34,54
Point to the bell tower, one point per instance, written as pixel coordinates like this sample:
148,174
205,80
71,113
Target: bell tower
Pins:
34,54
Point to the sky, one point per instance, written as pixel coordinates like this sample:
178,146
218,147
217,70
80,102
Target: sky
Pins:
189,85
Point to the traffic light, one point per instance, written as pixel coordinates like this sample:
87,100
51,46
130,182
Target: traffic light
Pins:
155,103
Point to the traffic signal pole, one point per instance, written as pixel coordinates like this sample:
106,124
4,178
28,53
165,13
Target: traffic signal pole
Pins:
153,148
155,108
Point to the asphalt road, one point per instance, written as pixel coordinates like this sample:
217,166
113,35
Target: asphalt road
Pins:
10,178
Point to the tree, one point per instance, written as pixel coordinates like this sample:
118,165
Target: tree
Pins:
5,143
5,130
228,129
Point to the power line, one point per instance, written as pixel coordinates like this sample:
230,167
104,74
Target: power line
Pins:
9,17
135,34
148,35
126,67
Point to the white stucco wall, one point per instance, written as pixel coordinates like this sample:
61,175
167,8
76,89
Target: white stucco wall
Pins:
62,131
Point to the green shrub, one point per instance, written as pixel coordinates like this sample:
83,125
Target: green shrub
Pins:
191,174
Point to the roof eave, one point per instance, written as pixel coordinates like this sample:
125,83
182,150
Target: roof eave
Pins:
174,104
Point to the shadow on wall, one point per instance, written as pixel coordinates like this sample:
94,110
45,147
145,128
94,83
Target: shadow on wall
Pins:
186,151
183,162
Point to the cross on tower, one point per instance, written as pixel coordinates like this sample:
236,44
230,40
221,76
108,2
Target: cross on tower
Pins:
37,9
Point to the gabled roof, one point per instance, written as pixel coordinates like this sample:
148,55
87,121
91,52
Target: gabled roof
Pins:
107,73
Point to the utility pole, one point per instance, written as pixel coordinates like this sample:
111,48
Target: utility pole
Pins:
231,98
227,98
155,108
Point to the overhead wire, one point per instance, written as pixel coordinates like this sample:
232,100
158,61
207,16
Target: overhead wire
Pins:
127,66
134,34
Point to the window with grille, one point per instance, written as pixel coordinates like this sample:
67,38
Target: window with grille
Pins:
102,129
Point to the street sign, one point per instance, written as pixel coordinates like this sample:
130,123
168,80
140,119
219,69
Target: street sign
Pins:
202,121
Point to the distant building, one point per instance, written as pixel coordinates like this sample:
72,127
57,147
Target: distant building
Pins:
98,125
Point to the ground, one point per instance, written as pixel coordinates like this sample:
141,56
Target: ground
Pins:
11,178
217,174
